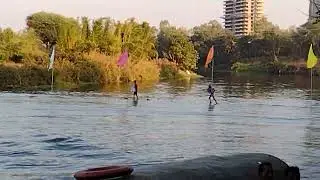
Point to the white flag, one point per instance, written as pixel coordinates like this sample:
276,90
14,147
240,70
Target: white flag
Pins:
51,58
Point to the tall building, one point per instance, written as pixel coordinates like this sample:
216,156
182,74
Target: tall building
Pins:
240,15
314,8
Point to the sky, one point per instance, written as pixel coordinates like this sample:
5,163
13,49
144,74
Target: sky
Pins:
187,13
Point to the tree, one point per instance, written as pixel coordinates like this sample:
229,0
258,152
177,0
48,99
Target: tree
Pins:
85,29
55,29
46,26
175,45
204,37
9,44
263,25
31,47
75,38
225,50
19,46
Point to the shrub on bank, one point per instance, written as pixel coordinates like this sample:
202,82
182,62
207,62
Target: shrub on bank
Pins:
72,74
93,70
141,70
16,76
274,67
169,70
240,67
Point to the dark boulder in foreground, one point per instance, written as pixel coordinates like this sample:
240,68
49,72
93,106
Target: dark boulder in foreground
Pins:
234,167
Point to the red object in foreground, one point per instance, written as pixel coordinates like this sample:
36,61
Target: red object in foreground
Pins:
103,172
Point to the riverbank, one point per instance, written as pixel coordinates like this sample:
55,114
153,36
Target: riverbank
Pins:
99,72
94,71
282,65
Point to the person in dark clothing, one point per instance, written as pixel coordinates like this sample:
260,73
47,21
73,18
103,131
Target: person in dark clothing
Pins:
135,89
211,91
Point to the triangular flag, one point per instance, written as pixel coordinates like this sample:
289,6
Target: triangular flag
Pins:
312,59
209,57
51,58
123,59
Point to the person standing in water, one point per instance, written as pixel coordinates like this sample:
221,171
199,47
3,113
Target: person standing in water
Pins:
211,91
135,89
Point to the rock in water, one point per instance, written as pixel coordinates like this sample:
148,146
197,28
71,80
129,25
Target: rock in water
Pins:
234,167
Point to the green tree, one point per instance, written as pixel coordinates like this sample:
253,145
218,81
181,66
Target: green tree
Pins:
263,25
19,46
46,25
176,46
55,29
301,38
31,47
205,36
139,39
9,44
85,29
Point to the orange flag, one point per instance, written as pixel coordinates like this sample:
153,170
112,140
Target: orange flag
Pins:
209,57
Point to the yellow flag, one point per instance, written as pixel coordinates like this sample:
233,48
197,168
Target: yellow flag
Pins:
312,59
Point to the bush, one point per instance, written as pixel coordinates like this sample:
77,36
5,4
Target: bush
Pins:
169,70
240,67
23,76
92,71
145,70
141,70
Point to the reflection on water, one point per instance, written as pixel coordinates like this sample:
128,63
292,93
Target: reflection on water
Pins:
135,102
52,135
211,107
259,85
311,152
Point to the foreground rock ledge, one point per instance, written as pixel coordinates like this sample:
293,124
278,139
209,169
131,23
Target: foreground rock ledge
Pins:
234,167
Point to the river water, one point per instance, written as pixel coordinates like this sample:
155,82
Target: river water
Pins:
52,135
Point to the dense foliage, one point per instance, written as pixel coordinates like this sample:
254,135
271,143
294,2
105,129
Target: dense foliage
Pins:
80,41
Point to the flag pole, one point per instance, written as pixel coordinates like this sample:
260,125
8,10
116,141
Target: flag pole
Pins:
311,83
212,71
52,79
51,65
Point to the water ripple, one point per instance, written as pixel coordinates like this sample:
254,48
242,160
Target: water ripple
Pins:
61,139
18,154
8,144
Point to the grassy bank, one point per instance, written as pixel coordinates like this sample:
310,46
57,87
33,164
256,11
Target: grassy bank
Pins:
281,66
21,76
93,71
171,71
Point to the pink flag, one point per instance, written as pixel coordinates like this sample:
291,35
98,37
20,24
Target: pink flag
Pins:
123,59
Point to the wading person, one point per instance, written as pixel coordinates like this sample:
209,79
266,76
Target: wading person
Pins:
134,89
211,91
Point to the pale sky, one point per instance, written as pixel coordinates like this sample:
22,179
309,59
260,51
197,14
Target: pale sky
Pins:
186,13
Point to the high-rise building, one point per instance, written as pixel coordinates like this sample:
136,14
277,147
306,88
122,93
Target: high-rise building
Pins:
314,9
240,15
